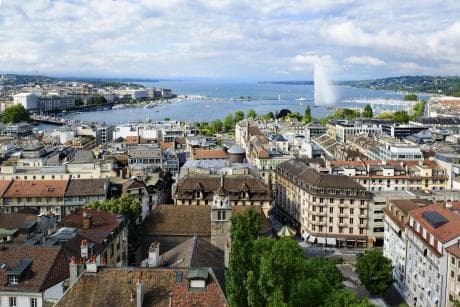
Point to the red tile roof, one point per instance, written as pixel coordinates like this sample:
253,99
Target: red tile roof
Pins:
40,188
4,184
103,223
113,287
200,154
445,232
49,267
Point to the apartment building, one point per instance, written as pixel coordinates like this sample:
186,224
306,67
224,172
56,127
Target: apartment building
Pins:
395,241
431,231
377,175
58,196
327,209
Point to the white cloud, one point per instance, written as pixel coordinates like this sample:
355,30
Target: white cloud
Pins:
264,39
364,60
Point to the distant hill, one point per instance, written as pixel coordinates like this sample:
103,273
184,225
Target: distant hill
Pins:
426,84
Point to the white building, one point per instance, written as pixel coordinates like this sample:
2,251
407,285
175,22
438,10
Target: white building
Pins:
431,230
28,100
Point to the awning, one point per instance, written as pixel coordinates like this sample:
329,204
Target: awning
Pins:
311,239
305,236
321,240
331,241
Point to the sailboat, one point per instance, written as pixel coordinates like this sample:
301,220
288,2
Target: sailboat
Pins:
279,97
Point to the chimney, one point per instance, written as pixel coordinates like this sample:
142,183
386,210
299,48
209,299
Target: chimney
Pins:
91,265
74,270
139,290
154,255
84,249
87,220
226,254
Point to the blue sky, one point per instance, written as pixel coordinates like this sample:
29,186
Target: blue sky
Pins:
230,39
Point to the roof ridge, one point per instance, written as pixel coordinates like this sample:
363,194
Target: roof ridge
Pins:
192,254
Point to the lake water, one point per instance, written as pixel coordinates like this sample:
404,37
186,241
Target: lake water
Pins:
223,98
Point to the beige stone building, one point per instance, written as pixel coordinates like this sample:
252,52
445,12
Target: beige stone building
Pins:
327,209
242,190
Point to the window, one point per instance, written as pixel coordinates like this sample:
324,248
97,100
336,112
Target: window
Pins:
330,228
350,230
12,301
14,279
33,302
331,200
352,211
331,210
342,201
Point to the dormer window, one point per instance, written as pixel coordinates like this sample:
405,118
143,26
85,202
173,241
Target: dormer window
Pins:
198,278
19,272
13,280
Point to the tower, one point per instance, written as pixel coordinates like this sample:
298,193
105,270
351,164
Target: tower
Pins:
221,214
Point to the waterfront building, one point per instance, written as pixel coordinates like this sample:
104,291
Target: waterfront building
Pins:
344,128
326,209
28,100
53,103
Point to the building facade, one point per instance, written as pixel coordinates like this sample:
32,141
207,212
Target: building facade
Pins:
327,209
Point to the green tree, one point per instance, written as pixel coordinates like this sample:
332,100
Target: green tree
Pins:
197,125
307,118
401,117
128,206
346,298
238,116
375,271
243,236
279,271
229,123
385,115
78,102
418,109
252,114
125,205
96,101
368,113
15,114
410,97
216,126
268,116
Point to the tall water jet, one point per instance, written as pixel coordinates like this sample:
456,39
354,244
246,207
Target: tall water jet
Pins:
324,91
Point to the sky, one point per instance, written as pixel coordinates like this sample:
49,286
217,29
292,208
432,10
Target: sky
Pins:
230,39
